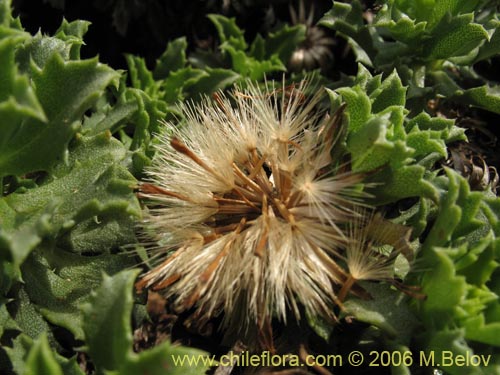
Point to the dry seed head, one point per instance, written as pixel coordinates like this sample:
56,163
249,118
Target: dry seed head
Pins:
364,252
364,258
247,210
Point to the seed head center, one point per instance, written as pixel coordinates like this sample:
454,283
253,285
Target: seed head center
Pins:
260,189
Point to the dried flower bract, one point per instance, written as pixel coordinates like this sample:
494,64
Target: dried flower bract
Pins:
248,209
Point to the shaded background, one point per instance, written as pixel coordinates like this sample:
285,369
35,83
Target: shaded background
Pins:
144,27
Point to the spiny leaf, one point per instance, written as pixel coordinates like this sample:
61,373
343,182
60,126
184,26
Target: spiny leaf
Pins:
284,41
110,117
83,189
17,244
18,101
479,330
391,92
9,26
28,318
23,361
449,214
229,33
443,287
451,341
216,79
39,49
65,91
58,282
455,37
6,321
401,27
252,68
159,361
41,359
491,47
173,86
106,320
358,106
485,97
140,76
18,352
387,310
173,59
348,20
392,184
433,11
72,33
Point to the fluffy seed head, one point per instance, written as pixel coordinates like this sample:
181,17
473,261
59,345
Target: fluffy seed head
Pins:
245,208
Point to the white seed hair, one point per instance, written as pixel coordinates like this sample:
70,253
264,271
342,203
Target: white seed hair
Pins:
247,208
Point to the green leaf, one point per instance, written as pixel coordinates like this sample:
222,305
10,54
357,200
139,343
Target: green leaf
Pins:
369,146
449,214
23,347
173,86
28,318
485,97
456,287
347,19
480,331
6,19
173,59
433,11
358,106
387,310
82,83
251,68
38,50
147,122
479,262
320,326
443,287
17,244
18,102
94,216
401,27
451,340
229,33
6,321
425,122
380,135
106,318
491,47
391,92
18,352
216,79
457,212
109,335
82,189
283,42
65,90
140,76
393,184
424,144
72,33
58,282
110,117
258,48
69,366
74,30
160,361
455,37
41,360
